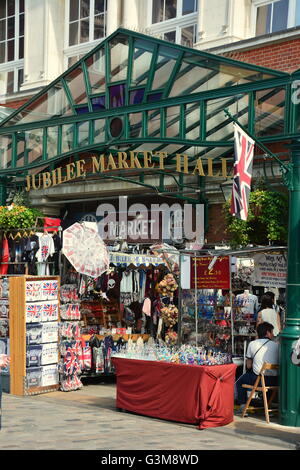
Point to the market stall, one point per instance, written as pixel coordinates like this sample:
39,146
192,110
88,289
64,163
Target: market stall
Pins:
220,295
157,386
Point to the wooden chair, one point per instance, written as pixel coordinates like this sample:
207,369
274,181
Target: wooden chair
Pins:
264,389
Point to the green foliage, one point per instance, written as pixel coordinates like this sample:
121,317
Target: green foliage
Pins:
18,217
267,221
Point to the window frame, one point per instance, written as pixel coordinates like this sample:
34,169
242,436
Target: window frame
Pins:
174,24
82,48
16,64
260,3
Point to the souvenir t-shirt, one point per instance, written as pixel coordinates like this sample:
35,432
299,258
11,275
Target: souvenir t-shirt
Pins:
248,302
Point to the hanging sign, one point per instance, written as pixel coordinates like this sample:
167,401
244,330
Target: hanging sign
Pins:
210,275
123,161
269,271
124,259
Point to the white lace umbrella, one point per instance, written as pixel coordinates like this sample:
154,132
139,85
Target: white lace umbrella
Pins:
85,250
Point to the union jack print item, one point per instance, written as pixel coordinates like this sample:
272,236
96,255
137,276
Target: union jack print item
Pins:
49,290
33,290
50,311
33,312
85,358
243,162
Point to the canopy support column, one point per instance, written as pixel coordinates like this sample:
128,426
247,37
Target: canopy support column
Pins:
290,373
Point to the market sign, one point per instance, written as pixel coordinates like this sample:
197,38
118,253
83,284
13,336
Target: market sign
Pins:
269,271
124,161
210,273
124,259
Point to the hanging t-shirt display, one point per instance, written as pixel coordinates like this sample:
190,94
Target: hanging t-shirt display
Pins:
46,249
248,304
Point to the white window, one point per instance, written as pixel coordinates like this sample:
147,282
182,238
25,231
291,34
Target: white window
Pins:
11,45
86,25
174,20
164,10
276,15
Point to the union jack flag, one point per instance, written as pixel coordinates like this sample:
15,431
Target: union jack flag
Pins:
32,290
243,162
50,311
50,288
33,311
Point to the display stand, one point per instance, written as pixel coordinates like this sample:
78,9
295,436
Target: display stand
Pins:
18,302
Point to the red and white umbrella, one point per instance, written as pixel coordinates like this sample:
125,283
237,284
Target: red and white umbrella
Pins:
85,249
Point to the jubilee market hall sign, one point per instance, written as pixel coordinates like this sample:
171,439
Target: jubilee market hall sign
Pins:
123,161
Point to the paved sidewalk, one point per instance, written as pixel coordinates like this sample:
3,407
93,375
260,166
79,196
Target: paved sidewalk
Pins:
88,420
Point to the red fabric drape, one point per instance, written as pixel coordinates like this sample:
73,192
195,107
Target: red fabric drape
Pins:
5,257
51,224
200,395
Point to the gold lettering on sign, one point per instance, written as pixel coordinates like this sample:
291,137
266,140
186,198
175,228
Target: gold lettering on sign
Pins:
28,181
111,165
53,177
128,160
60,179
98,164
33,182
134,161
161,156
80,171
182,159
224,167
71,175
210,171
122,157
199,168
148,159
47,183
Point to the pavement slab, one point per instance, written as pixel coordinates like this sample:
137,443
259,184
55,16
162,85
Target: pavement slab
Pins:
87,419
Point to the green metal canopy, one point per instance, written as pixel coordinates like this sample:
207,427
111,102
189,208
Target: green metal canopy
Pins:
136,92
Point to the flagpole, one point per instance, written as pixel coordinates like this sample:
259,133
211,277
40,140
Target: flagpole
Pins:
258,143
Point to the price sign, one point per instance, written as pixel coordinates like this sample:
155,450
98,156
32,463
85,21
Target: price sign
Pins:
208,275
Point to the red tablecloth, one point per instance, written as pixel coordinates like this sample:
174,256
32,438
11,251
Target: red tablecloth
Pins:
201,395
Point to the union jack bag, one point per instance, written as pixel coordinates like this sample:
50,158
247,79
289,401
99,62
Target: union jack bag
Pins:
85,358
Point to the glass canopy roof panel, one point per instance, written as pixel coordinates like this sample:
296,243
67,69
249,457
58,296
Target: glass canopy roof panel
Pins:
5,112
166,59
76,84
145,67
269,112
95,65
142,57
119,51
5,151
200,73
218,126
52,103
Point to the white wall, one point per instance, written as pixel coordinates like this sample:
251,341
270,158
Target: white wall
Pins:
223,21
44,42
